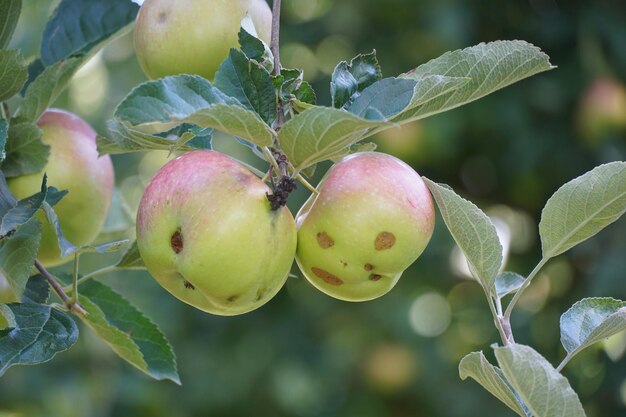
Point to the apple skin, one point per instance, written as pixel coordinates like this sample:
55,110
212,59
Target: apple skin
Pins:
372,218
193,36
207,234
73,165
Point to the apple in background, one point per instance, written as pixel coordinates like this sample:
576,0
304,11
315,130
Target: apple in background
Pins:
372,218
207,234
193,36
602,108
6,293
74,165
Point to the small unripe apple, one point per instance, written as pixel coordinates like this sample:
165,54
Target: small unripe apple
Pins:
193,36
207,234
372,218
602,108
73,165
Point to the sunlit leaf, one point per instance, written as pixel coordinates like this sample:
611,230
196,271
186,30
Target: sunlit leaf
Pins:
545,391
583,207
477,367
319,133
473,231
591,320
160,105
489,66
507,283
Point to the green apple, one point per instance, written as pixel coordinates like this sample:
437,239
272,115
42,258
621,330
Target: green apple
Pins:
372,218
193,36
207,234
74,165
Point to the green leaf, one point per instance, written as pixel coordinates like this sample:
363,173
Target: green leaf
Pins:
9,16
473,231
477,367
357,147
131,259
591,320
123,139
23,210
319,133
18,254
249,83
583,207
545,392
4,134
37,290
13,73
508,283
253,46
45,89
489,66
7,200
384,99
39,332
350,79
78,25
160,105
129,332
390,98
25,153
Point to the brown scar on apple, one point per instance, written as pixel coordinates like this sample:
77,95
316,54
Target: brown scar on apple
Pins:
232,298
368,267
324,240
188,284
327,276
177,241
162,18
375,277
384,240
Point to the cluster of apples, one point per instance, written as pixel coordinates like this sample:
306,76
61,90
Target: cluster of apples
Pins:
206,228
208,234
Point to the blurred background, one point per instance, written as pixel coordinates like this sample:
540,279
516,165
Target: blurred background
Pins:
307,355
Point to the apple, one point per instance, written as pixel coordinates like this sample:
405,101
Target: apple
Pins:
193,36
73,165
602,109
372,218
207,234
7,296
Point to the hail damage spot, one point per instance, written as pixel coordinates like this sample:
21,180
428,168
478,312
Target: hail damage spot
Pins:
324,240
327,276
384,240
368,267
375,277
177,241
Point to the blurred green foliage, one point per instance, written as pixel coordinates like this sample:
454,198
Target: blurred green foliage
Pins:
305,354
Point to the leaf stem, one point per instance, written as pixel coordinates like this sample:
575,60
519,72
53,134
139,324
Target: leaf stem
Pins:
497,320
518,294
306,184
56,286
564,362
93,274
75,279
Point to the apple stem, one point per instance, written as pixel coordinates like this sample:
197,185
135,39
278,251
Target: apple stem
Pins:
56,286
